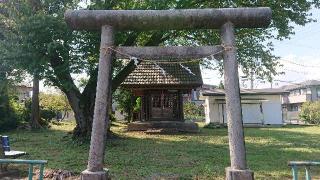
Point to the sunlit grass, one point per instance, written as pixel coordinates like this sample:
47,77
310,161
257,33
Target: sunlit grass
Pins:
136,155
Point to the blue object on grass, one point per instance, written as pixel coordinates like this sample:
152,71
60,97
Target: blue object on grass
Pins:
5,143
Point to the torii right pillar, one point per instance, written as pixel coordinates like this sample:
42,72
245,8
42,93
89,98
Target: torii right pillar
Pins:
238,169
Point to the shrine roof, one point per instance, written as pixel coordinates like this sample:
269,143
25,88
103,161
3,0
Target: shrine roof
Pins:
151,75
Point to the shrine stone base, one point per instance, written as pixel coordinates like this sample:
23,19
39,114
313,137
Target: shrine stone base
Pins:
236,174
99,175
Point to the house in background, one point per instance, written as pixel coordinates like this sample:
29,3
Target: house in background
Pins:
297,95
259,106
24,92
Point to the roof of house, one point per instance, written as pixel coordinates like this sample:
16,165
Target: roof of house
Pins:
151,75
303,84
207,86
22,86
221,92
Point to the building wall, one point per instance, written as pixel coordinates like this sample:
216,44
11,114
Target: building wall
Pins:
23,92
302,95
254,109
293,101
272,112
211,111
314,93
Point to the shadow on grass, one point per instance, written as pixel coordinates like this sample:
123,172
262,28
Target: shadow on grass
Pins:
211,155
284,138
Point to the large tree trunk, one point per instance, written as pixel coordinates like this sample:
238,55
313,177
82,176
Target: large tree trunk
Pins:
82,105
81,129
35,109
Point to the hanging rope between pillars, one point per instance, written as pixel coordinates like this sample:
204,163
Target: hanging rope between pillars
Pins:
136,60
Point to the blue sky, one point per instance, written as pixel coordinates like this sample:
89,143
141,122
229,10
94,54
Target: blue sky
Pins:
303,48
305,41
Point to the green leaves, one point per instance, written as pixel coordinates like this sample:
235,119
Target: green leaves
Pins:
54,102
310,112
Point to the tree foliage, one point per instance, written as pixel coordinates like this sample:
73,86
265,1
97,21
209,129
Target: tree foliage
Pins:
310,112
193,111
39,41
126,103
54,102
12,112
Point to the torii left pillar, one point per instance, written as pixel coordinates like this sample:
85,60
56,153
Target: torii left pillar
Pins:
95,169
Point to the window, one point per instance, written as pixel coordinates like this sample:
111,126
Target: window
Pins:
309,91
293,108
291,93
296,92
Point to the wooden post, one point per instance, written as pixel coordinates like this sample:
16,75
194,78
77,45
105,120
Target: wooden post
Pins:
2,156
238,169
180,106
95,169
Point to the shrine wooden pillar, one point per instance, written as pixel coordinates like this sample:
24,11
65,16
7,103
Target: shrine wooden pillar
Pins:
180,106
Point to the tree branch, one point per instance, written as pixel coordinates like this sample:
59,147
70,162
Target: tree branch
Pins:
63,75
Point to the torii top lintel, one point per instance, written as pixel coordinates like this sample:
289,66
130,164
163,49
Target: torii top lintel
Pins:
168,19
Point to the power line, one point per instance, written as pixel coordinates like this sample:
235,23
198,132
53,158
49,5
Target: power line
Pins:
300,45
299,72
298,64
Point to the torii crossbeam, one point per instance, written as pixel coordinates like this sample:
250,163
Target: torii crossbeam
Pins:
224,19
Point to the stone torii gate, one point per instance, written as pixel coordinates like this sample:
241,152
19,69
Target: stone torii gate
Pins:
224,19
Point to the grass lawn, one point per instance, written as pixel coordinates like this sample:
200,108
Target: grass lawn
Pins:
205,155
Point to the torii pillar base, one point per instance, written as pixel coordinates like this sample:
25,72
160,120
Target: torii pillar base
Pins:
236,174
99,175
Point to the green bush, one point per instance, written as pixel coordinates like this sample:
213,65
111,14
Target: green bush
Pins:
137,105
193,111
47,114
310,112
112,117
126,102
12,113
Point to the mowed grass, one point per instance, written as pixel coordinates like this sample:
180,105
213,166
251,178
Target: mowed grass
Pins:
136,155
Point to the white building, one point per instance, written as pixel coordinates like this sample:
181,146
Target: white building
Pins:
24,92
259,106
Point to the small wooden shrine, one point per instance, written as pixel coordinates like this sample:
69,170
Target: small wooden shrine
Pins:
161,88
